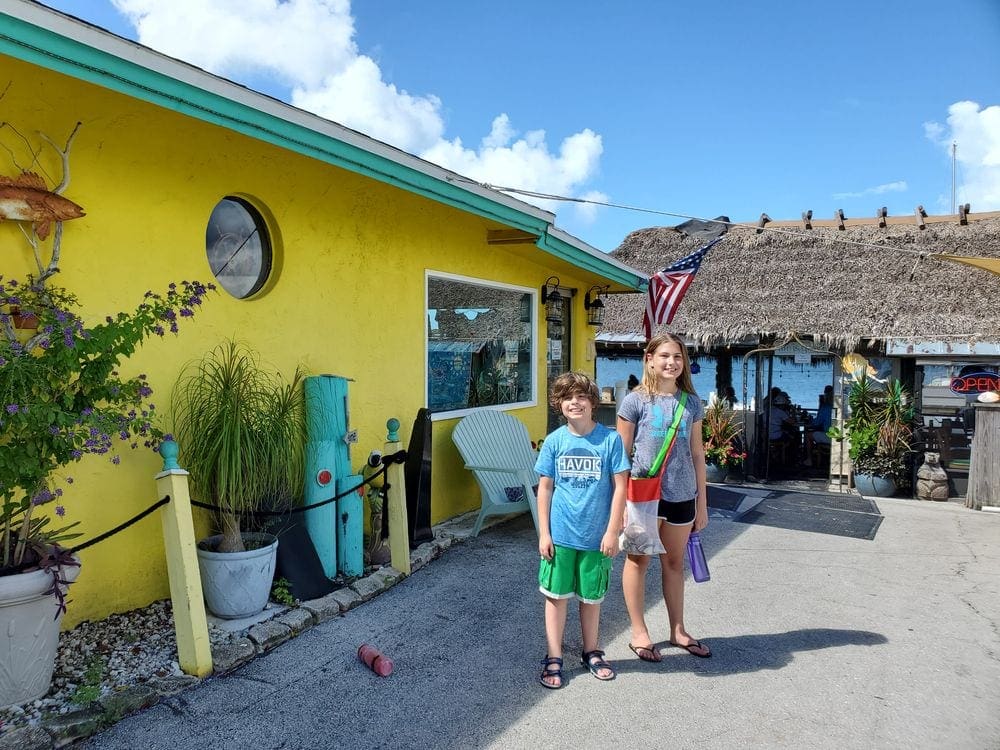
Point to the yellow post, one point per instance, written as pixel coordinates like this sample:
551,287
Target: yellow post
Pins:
194,652
399,535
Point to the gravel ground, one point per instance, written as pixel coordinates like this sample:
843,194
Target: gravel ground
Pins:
98,658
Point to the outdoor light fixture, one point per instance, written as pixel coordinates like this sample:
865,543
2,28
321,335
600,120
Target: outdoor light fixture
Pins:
552,300
594,307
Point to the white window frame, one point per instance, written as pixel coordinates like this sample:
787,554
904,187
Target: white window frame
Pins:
474,281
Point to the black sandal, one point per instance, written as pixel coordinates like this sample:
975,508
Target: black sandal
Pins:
594,660
547,671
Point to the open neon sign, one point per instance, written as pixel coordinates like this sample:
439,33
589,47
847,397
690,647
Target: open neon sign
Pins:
976,382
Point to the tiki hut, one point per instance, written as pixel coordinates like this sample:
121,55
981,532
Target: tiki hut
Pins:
870,286
862,284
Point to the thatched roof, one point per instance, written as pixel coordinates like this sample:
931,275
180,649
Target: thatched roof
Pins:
753,285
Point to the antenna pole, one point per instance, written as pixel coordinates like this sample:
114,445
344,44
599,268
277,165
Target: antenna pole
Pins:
954,149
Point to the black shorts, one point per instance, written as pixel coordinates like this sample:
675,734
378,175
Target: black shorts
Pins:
677,514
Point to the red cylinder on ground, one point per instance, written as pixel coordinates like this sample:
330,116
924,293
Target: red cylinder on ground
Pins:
375,660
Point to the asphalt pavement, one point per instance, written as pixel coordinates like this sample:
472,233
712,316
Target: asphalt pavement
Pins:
820,641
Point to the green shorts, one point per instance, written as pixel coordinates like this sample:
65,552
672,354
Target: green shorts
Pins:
575,572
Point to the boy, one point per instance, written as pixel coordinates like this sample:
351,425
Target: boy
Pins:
581,502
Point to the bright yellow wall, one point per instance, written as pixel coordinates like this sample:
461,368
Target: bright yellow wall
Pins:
348,298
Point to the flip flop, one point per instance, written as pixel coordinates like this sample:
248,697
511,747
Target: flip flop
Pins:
691,645
651,649
594,661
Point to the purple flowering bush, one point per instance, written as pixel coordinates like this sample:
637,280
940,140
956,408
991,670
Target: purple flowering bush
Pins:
62,397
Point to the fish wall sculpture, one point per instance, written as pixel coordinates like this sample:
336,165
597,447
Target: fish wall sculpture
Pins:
26,198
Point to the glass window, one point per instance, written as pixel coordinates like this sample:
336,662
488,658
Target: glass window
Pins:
239,250
480,344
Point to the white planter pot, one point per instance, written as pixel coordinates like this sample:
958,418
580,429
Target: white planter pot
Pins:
237,584
29,634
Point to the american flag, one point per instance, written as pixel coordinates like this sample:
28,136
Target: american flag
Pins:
667,288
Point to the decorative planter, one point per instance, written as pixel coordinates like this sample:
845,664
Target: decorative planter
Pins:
716,473
237,584
29,634
874,486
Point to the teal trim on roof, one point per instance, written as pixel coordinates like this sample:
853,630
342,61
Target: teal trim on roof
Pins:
588,262
47,49
70,57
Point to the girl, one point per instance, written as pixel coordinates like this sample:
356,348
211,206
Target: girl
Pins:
644,418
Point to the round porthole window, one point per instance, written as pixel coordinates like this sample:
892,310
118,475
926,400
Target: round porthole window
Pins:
239,250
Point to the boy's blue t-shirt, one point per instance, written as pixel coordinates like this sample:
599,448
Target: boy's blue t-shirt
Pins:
581,468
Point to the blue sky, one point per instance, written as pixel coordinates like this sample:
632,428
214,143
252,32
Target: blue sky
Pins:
701,109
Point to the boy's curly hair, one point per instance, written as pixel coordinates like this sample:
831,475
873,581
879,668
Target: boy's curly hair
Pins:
573,382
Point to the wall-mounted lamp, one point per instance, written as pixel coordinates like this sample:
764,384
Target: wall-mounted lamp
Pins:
552,300
594,306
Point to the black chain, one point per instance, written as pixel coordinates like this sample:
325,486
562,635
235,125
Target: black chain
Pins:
396,458
159,503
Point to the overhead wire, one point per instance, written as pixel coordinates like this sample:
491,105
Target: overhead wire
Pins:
731,224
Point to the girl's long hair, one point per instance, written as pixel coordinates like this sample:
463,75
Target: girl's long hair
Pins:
648,384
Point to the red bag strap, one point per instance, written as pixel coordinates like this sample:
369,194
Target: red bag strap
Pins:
668,442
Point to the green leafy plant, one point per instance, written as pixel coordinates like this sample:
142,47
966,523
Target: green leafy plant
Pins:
62,397
720,431
89,689
241,432
281,592
879,428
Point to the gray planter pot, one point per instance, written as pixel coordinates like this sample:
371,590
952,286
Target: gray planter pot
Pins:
30,634
716,473
873,485
237,584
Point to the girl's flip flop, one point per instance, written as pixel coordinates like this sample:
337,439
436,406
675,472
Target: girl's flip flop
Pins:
694,644
646,653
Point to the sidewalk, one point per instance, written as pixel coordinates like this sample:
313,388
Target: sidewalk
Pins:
819,640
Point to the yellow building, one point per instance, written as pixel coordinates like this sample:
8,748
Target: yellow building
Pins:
368,254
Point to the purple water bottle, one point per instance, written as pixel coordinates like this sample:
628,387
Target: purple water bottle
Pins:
696,558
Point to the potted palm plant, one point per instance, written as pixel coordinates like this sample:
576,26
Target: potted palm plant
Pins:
720,434
241,431
879,429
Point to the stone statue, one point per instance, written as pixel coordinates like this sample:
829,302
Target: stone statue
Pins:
932,481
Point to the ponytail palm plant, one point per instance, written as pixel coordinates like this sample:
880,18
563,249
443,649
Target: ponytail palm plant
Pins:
240,428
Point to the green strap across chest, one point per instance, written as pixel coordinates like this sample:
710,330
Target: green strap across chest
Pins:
668,441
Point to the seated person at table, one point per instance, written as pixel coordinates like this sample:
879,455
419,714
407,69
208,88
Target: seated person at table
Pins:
766,401
816,432
781,428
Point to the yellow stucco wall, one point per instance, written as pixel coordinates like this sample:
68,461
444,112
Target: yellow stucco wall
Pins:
348,296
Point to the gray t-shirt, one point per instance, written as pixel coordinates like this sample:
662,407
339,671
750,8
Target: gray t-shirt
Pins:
652,418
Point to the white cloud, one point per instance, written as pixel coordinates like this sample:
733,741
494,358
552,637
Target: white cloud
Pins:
358,98
976,131
308,47
898,186
299,41
586,213
504,160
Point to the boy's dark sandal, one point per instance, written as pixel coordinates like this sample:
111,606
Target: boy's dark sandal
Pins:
551,667
692,645
594,661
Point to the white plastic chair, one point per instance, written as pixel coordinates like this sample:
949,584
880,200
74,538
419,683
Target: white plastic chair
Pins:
497,450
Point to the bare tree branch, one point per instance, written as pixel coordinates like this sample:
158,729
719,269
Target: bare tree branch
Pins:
64,155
